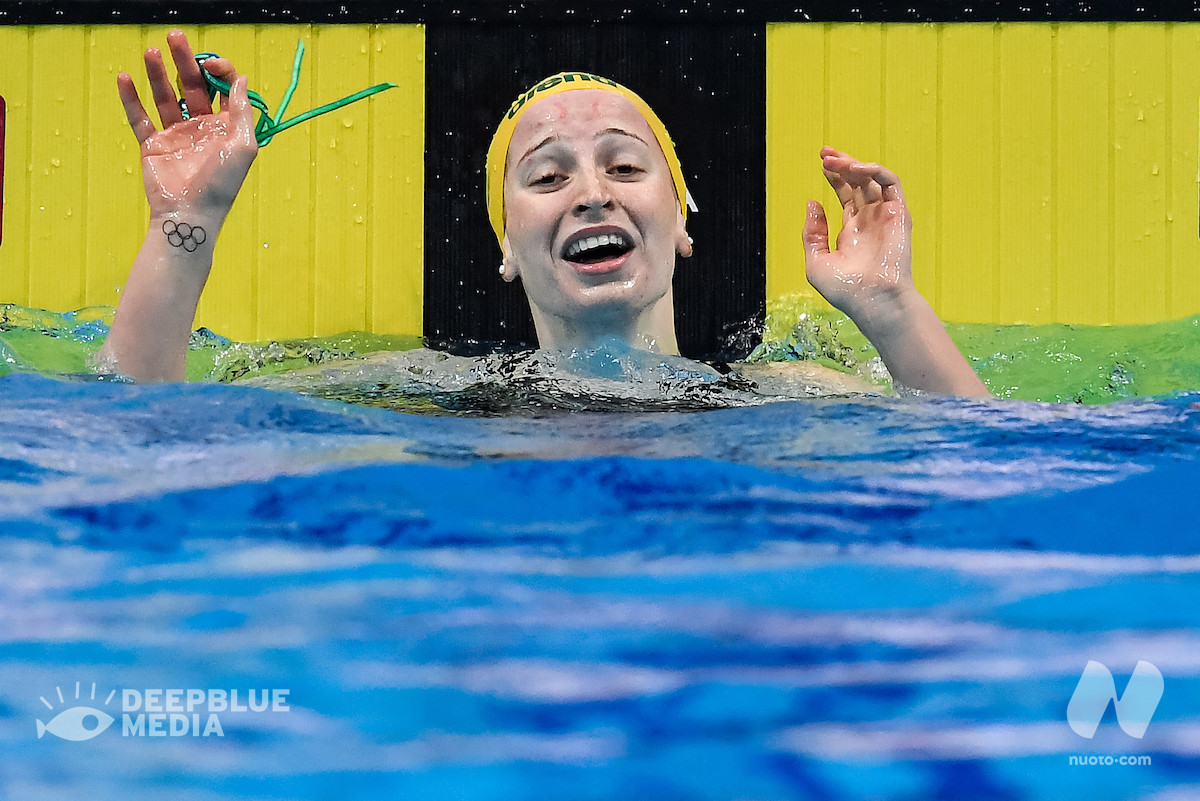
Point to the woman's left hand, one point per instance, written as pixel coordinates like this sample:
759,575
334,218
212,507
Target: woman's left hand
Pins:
871,267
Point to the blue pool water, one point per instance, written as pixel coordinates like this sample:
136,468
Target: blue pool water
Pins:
874,598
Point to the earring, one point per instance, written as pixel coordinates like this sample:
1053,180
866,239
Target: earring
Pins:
502,270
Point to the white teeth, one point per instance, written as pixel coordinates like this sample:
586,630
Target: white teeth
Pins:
592,242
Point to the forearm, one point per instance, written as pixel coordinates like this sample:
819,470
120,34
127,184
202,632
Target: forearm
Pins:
153,322
915,347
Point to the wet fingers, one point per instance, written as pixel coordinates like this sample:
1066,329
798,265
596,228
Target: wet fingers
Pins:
160,87
135,112
194,87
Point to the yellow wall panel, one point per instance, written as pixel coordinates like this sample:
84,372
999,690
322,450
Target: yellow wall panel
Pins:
968,245
854,98
1139,119
397,180
1183,279
1025,128
283,200
1081,195
113,228
909,144
57,163
1051,168
342,204
15,88
326,234
229,304
795,134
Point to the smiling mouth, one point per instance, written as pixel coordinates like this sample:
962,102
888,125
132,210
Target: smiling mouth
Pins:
596,249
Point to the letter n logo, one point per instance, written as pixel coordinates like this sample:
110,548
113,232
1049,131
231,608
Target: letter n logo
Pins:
1134,709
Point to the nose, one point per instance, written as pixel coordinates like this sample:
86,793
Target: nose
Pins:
594,196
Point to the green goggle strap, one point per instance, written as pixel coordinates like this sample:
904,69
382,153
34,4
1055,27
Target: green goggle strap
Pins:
268,126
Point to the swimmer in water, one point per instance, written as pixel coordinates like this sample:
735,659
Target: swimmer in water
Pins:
587,201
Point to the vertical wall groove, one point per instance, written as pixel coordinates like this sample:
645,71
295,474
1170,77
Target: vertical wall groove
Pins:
826,84
1054,177
370,190
883,94
997,146
27,165
257,262
1112,172
1168,173
314,38
939,168
86,116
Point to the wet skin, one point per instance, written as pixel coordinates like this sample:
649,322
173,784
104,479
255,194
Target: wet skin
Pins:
585,165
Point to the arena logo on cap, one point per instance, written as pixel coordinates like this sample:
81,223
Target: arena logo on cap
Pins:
158,712
553,81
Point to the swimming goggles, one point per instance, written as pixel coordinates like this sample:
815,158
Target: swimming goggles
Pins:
268,126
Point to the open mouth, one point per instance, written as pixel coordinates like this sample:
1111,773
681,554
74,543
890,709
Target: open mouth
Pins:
596,248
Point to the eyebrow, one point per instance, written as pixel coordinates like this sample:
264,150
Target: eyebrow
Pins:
551,138
622,132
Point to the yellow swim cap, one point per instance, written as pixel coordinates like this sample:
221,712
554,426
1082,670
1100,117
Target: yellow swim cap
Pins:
497,157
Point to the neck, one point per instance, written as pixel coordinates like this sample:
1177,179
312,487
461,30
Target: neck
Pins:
652,328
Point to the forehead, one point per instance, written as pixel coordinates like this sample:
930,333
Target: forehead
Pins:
577,114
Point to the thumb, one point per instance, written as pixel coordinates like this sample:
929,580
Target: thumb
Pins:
816,231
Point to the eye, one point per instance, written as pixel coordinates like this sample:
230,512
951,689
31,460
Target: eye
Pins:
625,170
547,179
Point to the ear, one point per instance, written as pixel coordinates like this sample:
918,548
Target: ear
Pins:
683,242
511,271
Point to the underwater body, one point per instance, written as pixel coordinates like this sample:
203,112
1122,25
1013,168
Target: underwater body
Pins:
512,595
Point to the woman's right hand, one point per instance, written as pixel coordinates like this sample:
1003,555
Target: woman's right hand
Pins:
196,164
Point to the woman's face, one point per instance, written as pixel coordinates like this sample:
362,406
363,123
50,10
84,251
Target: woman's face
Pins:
592,221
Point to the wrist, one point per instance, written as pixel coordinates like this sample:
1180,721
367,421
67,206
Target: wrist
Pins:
888,311
186,231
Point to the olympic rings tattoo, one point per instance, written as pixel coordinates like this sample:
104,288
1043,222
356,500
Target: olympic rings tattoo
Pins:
182,235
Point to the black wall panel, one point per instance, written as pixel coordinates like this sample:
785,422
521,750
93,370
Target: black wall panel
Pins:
707,83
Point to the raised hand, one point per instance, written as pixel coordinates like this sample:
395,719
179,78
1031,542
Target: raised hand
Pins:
200,163
872,262
869,277
192,169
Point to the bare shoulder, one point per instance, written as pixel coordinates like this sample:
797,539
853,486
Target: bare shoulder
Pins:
802,379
